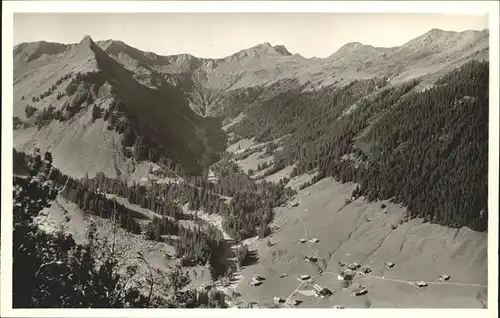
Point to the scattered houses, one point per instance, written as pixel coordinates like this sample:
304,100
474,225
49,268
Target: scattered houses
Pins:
346,275
338,307
444,277
256,280
389,264
311,259
353,266
277,300
304,277
283,275
314,240
295,204
419,284
321,291
294,302
359,291
302,240
317,288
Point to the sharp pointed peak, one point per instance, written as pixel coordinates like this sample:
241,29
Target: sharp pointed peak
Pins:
86,38
86,41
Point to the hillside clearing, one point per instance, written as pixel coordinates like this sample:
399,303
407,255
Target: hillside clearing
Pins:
345,235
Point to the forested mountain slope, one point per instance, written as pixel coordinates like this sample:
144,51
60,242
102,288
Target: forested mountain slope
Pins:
406,125
386,130
426,149
82,98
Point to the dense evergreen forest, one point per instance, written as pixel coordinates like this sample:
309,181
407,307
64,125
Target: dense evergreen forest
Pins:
431,151
194,246
245,206
248,213
426,149
52,271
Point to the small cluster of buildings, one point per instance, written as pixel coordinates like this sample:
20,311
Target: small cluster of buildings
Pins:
313,259
278,300
322,292
352,270
359,291
353,266
389,264
312,241
419,284
257,280
346,275
291,302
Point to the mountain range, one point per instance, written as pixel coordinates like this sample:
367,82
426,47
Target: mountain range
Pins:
262,162
177,103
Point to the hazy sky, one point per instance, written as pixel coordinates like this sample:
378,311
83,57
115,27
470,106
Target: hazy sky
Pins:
222,34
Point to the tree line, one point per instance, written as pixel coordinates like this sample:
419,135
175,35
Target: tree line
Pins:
193,245
248,213
425,149
51,271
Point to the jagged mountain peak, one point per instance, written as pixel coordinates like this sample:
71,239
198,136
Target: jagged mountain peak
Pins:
266,47
282,49
262,50
129,56
86,40
86,43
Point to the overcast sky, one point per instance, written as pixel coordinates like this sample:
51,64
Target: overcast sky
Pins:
213,35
